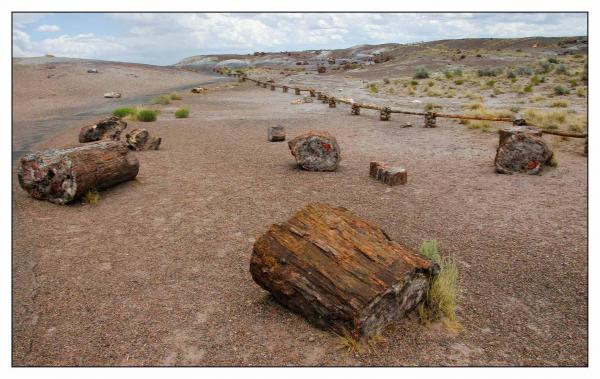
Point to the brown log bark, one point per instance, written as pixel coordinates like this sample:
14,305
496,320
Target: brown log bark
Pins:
62,175
140,139
316,151
387,174
522,152
108,128
339,271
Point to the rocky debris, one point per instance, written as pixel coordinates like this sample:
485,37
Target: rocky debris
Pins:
407,125
199,90
522,152
321,69
108,128
276,134
112,95
92,71
140,139
63,175
506,133
339,271
316,151
387,174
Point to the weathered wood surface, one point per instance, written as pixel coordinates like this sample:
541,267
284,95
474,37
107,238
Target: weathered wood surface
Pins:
388,174
140,139
506,133
276,134
108,128
62,175
316,151
341,272
522,153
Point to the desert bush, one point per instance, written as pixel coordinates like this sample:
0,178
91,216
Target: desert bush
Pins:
440,298
561,91
553,60
92,196
545,67
391,91
124,112
413,82
524,71
175,96
560,104
511,75
421,73
528,89
561,69
432,106
162,99
146,115
535,80
490,83
573,83
473,106
182,112
431,83
373,88
515,109
580,92
459,82
495,71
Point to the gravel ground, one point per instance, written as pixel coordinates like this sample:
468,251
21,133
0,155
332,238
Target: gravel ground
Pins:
157,272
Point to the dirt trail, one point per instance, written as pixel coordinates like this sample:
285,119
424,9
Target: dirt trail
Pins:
157,272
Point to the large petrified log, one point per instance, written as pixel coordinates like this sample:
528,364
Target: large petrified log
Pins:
522,152
107,128
62,175
140,139
506,133
339,271
316,151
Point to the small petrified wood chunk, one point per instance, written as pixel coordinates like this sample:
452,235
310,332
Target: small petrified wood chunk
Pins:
339,271
512,130
522,152
276,134
388,174
430,121
112,95
316,151
62,175
140,139
108,128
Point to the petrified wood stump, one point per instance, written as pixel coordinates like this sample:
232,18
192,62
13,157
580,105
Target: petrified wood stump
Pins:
316,151
339,271
355,110
264,85
512,130
319,96
272,88
332,103
62,175
296,91
312,93
284,88
385,114
276,134
108,128
522,152
140,139
430,120
387,174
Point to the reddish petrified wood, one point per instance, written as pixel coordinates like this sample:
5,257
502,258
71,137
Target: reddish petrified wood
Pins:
62,175
506,133
140,139
388,174
522,152
107,128
316,151
341,272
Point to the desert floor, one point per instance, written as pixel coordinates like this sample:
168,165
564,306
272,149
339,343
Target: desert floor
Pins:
157,272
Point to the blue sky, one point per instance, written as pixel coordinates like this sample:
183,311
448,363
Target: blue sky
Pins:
169,37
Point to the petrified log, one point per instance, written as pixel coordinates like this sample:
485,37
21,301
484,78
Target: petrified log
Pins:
522,152
387,174
140,139
385,114
332,103
518,120
339,271
512,130
355,110
62,175
276,134
296,91
108,128
316,151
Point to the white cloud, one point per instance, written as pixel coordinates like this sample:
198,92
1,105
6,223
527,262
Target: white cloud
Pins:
47,28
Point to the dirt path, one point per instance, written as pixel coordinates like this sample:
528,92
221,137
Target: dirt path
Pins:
157,272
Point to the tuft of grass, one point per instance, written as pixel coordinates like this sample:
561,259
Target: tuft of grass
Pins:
440,298
580,92
182,112
175,96
459,82
124,112
421,73
92,197
490,71
515,109
561,91
432,106
373,88
560,104
146,115
561,69
162,99
553,160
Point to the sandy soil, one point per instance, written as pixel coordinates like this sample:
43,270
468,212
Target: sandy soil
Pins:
157,272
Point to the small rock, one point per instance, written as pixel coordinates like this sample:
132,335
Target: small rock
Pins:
407,125
311,339
115,95
92,71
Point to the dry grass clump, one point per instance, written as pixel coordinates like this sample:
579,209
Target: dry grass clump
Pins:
162,99
92,197
432,106
554,120
182,112
175,96
373,88
440,299
560,104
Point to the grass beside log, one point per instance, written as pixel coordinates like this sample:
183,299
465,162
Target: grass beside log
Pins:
146,115
162,99
440,299
124,112
182,112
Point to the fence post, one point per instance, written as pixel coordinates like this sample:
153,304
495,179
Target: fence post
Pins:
332,103
430,120
324,99
385,114
312,92
297,91
285,88
355,110
272,87
319,96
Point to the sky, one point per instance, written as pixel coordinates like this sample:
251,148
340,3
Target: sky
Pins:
166,38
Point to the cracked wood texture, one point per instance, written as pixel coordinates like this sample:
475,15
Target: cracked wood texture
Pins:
62,175
341,272
108,128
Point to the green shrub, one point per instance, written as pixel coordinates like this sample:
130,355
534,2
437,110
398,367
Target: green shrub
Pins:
147,115
373,88
124,112
413,82
561,91
459,82
489,71
182,112
528,89
524,71
490,83
175,96
553,60
421,73
440,299
515,109
511,75
162,99
561,69
545,67
535,80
